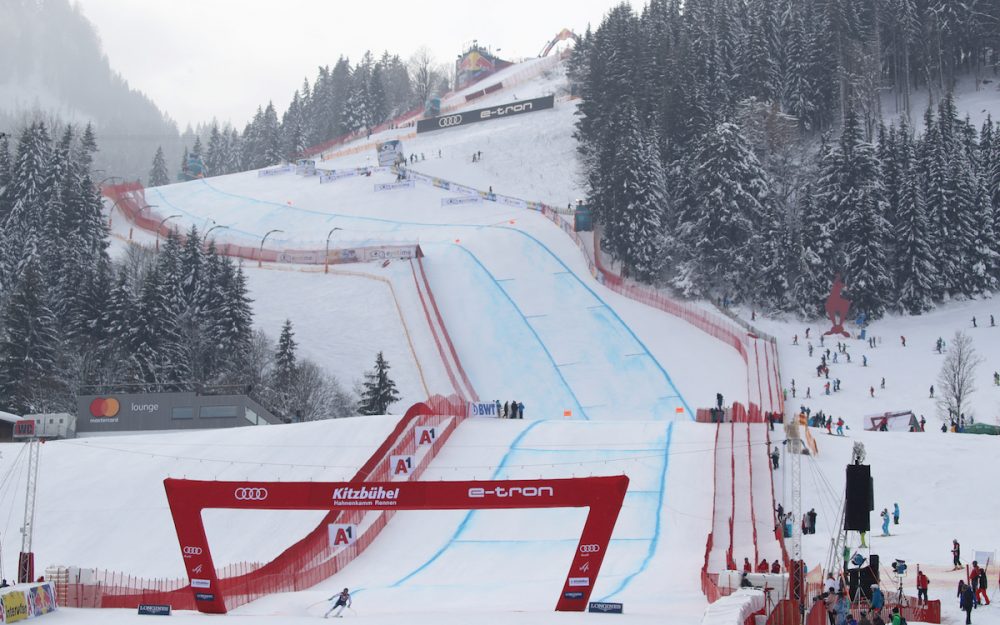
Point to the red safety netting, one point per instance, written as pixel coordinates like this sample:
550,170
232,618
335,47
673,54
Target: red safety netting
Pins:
708,585
753,511
406,119
130,199
304,564
453,365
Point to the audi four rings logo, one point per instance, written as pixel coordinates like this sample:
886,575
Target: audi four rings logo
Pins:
451,120
250,494
589,548
192,551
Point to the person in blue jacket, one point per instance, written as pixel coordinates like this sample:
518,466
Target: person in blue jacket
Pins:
895,514
878,599
885,521
843,609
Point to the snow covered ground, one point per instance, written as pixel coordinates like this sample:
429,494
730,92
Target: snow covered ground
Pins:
101,501
909,371
529,323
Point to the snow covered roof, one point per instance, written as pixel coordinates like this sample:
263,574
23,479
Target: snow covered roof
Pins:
8,417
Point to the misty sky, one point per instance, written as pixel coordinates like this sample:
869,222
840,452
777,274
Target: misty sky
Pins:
202,58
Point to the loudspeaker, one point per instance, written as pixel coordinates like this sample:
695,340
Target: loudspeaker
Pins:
869,575
859,498
861,579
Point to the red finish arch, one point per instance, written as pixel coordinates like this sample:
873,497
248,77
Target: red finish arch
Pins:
602,495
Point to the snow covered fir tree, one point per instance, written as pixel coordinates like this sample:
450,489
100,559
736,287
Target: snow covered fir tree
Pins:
778,165
378,391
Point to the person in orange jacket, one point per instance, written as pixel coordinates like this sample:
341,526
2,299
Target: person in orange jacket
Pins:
747,567
764,567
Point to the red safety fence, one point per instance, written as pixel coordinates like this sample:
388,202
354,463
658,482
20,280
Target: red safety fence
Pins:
779,533
753,510
304,564
730,558
130,199
785,612
453,365
400,121
708,585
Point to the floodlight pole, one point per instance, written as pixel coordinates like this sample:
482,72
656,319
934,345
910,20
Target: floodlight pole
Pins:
326,257
260,256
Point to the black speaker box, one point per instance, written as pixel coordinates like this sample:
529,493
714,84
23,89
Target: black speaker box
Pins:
859,498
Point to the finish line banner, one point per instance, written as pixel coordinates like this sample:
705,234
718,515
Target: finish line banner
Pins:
481,115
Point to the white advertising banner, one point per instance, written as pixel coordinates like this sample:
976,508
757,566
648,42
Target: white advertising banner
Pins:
274,171
483,409
465,199
390,186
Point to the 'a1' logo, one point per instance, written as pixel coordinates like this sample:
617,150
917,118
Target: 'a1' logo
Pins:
342,534
400,465
425,435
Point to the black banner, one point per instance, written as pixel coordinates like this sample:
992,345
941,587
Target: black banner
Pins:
153,609
605,607
481,115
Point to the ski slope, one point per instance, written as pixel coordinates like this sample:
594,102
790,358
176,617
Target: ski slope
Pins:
486,561
523,281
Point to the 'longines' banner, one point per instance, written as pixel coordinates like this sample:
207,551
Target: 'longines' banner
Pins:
481,115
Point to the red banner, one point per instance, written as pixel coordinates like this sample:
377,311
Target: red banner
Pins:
602,495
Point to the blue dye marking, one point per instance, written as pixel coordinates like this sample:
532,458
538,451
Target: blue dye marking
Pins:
468,515
659,518
541,343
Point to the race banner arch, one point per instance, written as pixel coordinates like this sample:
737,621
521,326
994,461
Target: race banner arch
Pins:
602,495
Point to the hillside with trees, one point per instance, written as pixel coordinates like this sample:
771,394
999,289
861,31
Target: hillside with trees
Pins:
769,148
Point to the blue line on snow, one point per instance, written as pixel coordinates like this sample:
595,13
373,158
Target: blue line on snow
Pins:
541,343
468,515
659,518
687,408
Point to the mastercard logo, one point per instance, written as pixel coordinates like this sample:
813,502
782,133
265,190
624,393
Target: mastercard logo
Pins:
104,407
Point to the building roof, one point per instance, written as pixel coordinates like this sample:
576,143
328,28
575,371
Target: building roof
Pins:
8,417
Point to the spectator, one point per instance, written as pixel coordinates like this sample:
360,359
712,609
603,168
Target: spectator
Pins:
966,600
831,607
922,583
747,567
878,600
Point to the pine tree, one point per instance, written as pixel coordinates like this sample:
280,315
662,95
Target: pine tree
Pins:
723,204
915,269
285,377
29,346
158,175
5,180
88,147
633,225
215,159
378,390
814,264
